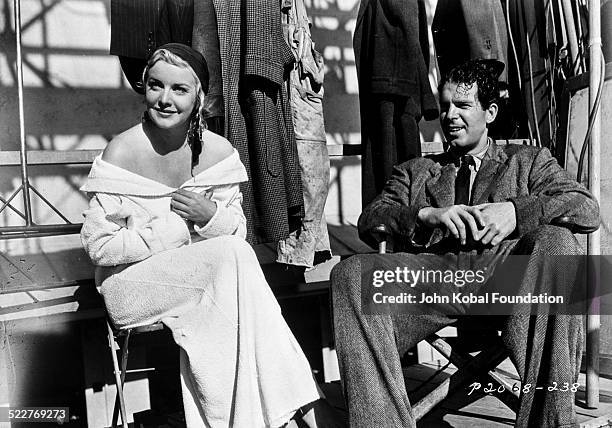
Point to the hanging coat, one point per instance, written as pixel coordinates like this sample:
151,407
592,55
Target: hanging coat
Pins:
469,29
138,27
310,244
258,115
205,39
391,54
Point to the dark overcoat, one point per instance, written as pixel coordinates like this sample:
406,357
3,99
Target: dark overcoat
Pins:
392,56
138,27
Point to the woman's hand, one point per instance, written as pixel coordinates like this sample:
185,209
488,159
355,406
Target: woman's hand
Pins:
192,206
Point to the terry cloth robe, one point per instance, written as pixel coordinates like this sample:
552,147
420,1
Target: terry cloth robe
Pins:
258,115
240,364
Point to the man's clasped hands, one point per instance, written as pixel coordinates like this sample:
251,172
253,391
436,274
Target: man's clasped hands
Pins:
486,223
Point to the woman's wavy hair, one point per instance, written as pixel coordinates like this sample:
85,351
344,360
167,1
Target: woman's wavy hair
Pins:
484,72
197,124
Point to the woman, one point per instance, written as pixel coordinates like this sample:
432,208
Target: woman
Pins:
165,228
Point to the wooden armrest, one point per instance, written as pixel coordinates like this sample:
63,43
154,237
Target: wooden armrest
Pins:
566,222
381,234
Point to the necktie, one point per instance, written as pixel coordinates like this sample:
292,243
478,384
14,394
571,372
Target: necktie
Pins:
462,182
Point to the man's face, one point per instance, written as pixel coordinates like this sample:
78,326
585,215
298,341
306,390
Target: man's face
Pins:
463,120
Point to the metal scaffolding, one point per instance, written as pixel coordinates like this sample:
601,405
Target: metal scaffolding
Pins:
30,228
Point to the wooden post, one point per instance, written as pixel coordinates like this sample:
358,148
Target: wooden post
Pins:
593,243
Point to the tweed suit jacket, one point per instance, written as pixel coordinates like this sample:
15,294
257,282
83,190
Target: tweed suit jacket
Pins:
529,177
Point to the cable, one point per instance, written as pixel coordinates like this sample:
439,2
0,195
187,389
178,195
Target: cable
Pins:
592,115
532,91
516,61
548,69
552,58
580,36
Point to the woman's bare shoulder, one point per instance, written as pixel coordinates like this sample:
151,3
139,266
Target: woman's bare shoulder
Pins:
124,149
215,148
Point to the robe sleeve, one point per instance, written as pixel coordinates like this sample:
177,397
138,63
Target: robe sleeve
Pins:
114,233
229,218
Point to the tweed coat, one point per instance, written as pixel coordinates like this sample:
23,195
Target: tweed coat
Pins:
541,191
258,115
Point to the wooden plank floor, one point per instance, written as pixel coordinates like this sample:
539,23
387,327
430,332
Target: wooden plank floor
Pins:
480,410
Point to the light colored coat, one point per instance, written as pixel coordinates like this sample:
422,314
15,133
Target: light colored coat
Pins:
129,217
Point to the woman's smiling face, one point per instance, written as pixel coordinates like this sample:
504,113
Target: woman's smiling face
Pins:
170,95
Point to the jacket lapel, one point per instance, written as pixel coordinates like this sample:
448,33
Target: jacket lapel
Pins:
492,167
442,190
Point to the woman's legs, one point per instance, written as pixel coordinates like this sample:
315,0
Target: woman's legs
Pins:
241,365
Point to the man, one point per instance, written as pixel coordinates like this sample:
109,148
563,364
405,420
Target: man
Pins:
496,201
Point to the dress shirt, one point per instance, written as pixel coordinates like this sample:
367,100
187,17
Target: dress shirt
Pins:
475,166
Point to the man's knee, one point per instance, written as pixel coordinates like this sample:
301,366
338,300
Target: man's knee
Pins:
346,276
552,240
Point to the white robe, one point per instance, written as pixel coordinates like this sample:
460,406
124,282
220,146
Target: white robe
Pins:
240,364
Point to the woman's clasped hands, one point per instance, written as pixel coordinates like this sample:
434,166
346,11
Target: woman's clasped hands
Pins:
193,207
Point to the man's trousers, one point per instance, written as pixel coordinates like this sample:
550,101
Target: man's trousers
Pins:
544,348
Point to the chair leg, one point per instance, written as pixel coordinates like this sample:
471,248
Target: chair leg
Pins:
459,378
124,360
509,396
118,379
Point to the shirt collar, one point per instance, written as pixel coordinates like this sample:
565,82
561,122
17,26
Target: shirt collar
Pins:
478,157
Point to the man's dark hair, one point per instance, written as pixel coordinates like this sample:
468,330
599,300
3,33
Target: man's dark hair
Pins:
483,72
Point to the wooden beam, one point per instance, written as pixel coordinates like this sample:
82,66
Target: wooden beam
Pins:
81,157
49,157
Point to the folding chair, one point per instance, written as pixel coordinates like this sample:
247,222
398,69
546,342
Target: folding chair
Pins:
114,335
469,367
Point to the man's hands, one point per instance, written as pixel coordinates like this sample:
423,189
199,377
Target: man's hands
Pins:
458,219
500,219
194,207
485,223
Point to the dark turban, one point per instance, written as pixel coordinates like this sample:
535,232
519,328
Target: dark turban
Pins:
192,57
